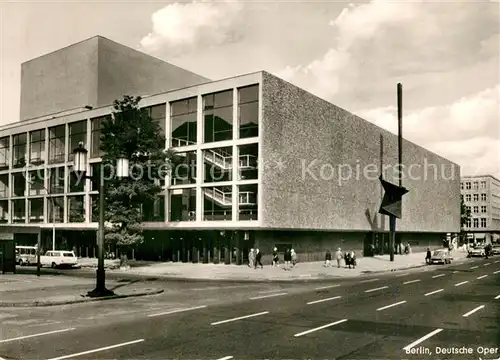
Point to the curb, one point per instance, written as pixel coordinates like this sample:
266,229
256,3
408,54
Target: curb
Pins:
77,301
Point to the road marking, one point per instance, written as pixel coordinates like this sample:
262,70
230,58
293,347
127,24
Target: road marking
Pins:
219,288
481,277
497,297
402,274
45,324
240,318
320,328
97,350
496,262
226,358
473,311
376,289
367,281
269,291
454,272
487,264
433,292
267,296
436,276
323,300
178,311
496,272
392,305
422,339
474,267
327,287
411,281
35,335
461,283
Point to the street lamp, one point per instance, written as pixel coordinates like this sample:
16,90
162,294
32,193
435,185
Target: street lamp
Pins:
80,167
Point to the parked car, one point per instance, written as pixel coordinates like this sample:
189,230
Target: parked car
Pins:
26,255
495,250
59,258
477,251
441,256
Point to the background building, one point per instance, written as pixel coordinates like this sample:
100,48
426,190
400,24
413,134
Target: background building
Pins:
482,197
265,164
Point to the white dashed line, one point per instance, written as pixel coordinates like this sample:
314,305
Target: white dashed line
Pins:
456,271
240,318
422,339
323,300
367,281
97,350
497,297
436,276
35,335
411,281
320,328
433,292
496,272
461,283
392,305
402,274
474,267
487,264
473,311
267,296
327,287
376,289
178,311
496,262
226,358
481,277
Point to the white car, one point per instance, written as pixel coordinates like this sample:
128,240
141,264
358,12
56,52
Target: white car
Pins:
59,258
477,251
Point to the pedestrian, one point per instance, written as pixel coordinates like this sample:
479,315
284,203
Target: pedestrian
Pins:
338,256
258,258
288,258
347,259
251,258
353,259
428,257
328,258
294,258
276,260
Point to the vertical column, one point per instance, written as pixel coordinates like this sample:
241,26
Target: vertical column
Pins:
168,142
236,157
260,159
199,158
27,180
66,173
88,184
46,180
11,182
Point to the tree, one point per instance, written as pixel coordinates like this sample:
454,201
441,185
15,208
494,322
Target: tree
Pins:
133,134
464,218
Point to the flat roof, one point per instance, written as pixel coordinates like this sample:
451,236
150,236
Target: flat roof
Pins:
466,177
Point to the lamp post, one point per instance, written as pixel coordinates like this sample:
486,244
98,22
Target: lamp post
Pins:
80,167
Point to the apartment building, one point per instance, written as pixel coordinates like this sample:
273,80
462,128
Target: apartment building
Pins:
260,159
481,195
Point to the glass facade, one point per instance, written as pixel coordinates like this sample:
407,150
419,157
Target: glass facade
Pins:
52,189
77,134
218,116
37,147
184,122
57,144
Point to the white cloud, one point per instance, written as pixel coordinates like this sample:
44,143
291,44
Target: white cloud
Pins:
466,131
182,27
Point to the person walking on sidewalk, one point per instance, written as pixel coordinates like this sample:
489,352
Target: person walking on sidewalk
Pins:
338,256
328,258
294,258
428,257
251,258
288,259
258,258
276,260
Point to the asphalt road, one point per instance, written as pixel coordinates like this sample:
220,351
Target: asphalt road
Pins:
413,315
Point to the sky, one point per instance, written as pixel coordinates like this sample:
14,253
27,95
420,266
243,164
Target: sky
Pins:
353,54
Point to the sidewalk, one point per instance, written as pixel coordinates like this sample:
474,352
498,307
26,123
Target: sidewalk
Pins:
29,290
303,271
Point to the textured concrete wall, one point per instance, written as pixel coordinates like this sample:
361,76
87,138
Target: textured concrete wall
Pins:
299,129
62,80
125,71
